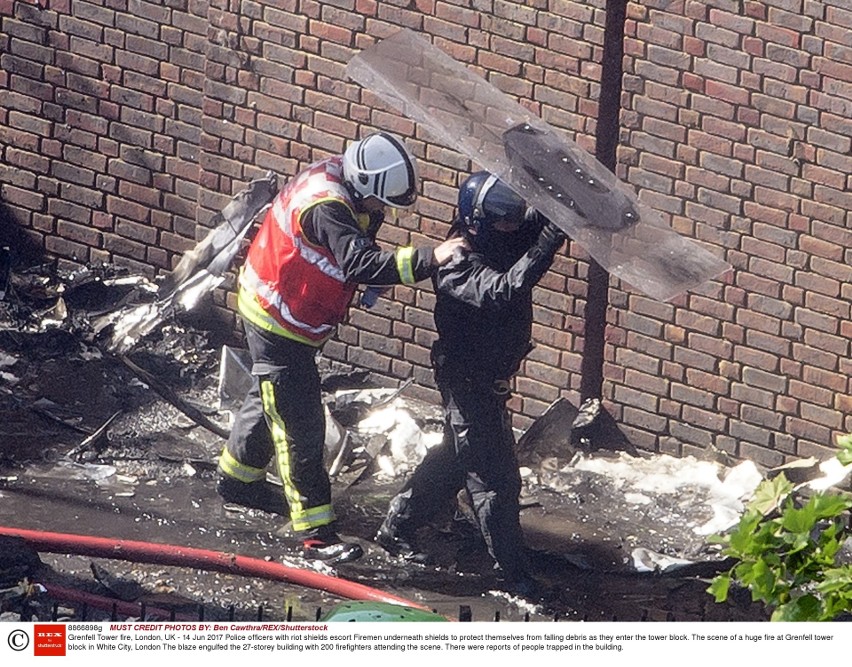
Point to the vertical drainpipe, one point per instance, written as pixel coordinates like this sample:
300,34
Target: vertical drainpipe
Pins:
606,142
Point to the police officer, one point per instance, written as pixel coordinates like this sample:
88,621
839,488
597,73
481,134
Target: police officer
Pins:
483,315
315,245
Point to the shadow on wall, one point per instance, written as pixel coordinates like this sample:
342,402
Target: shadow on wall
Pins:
24,250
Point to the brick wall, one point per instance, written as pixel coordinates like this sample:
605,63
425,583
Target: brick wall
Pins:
125,124
736,123
100,123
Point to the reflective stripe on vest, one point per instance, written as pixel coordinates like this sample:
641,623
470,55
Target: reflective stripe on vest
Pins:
252,289
323,263
288,285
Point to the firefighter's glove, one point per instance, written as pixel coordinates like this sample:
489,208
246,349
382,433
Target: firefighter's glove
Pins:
371,295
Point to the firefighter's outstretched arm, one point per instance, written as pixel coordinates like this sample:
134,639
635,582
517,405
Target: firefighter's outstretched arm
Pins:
362,260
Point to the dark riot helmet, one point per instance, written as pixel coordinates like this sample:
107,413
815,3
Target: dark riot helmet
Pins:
484,200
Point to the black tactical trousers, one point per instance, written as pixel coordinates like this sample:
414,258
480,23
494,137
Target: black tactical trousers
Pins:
477,454
282,416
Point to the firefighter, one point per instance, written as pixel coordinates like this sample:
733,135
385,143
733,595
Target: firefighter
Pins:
483,314
315,245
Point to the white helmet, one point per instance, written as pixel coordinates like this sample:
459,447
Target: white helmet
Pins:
380,166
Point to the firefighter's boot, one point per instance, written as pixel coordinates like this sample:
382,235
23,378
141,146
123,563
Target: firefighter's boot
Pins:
259,495
323,543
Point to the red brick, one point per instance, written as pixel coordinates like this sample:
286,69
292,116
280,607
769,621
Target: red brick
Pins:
788,242
822,378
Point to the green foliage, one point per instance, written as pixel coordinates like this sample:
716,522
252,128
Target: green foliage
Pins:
787,551
845,454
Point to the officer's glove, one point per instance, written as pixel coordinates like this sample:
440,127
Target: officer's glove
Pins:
533,219
551,237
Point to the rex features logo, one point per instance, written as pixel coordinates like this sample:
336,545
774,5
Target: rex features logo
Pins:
49,639
18,640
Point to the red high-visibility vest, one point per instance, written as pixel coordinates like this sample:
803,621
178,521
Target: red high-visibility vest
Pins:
288,285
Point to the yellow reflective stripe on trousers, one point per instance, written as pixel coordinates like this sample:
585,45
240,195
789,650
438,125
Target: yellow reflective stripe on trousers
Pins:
302,518
312,518
404,264
239,471
279,439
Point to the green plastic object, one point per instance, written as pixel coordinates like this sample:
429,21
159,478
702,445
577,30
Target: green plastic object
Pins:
379,612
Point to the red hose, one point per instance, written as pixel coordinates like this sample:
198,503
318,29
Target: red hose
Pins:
217,561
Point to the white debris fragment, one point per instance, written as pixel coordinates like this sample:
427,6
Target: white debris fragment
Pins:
662,474
192,292
7,360
741,481
90,354
9,379
386,465
407,442
382,420
728,499
366,396
53,317
335,435
834,473
642,478
637,498
406,439
234,377
645,560
724,516
72,470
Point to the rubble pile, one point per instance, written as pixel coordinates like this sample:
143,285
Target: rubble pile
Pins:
92,446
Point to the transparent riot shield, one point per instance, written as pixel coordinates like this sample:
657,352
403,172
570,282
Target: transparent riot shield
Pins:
466,113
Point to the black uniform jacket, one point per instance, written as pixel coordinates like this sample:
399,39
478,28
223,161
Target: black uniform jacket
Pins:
483,310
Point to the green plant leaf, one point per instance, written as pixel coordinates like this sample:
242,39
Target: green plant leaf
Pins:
719,587
743,573
742,537
770,493
804,608
845,444
821,506
800,521
828,506
764,580
786,552
837,580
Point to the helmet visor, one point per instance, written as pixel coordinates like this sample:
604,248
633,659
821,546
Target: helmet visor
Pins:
404,200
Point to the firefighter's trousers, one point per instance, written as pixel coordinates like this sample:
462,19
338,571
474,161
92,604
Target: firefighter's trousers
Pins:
282,416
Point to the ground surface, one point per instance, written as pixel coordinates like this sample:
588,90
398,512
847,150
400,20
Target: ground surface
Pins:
150,477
